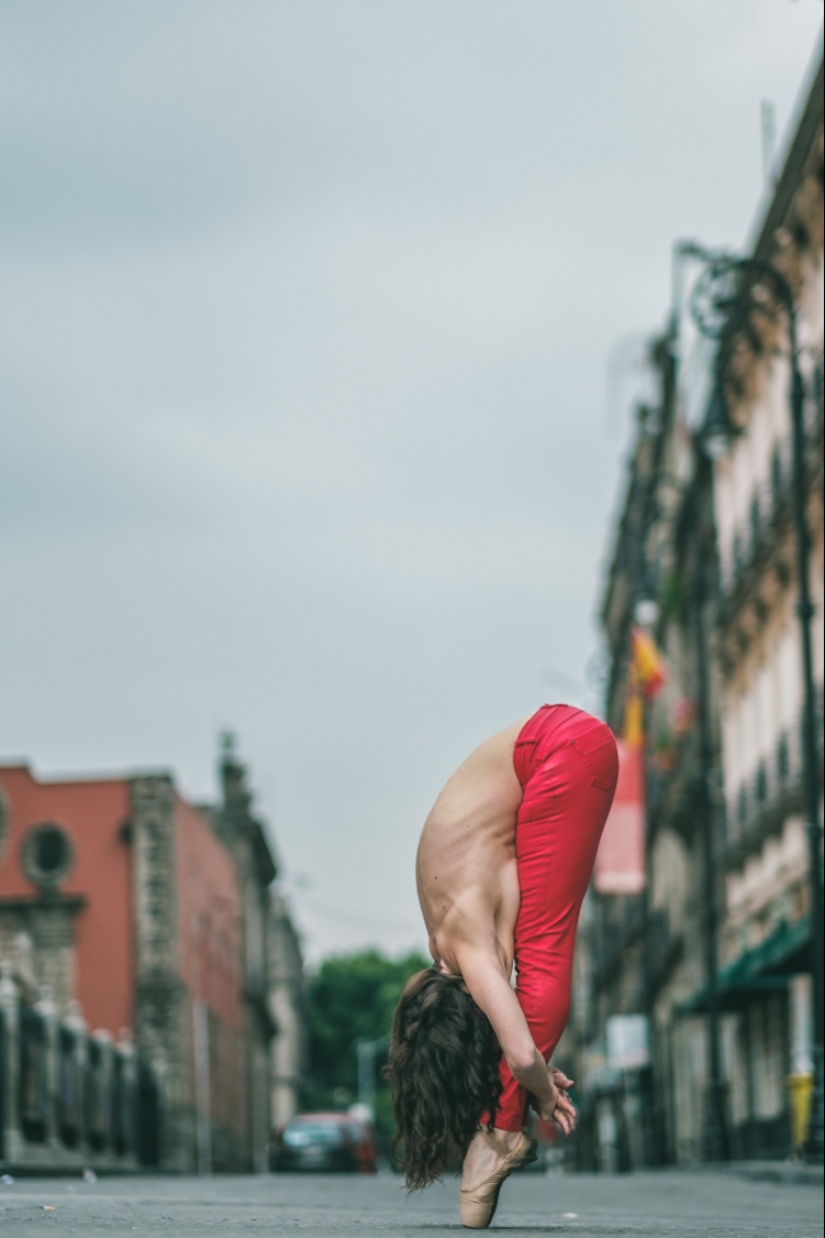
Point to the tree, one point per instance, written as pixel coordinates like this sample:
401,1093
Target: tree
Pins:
353,997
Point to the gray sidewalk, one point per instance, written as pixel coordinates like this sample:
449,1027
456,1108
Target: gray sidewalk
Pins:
647,1205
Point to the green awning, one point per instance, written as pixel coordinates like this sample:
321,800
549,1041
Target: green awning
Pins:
787,952
761,971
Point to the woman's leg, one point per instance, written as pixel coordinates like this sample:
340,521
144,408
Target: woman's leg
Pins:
566,800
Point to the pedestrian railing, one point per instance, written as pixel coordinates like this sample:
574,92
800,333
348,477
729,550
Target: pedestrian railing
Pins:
68,1096
33,1076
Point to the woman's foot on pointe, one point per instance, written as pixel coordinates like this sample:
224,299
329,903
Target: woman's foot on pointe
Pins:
484,1158
491,1158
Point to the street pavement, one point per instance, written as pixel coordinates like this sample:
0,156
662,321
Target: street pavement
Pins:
658,1205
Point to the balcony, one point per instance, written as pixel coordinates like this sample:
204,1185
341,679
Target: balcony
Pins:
613,938
762,802
673,774
761,534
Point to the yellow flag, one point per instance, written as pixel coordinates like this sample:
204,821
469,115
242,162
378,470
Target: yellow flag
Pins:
646,674
633,731
649,667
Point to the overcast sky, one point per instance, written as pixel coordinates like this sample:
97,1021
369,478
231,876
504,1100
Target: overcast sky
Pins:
308,313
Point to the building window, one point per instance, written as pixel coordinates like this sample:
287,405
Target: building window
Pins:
724,823
776,475
47,856
755,520
819,389
761,784
742,808
783,759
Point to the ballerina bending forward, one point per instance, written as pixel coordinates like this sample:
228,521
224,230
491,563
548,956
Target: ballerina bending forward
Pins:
503,865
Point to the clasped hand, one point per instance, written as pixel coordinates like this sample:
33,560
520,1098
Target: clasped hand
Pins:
559,1107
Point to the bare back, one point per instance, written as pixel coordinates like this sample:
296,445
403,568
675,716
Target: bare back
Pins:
466,868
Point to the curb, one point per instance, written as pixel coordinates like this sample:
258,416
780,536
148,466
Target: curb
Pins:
792,1174
789,1173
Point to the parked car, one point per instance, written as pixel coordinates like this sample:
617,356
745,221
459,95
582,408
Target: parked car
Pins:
326,1143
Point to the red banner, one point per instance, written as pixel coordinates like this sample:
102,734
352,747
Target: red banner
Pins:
620,862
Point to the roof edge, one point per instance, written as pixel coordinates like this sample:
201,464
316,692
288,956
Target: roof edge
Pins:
779,194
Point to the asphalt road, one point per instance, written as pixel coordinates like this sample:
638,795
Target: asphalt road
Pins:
690,1205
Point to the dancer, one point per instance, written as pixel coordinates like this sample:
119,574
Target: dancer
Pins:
503,865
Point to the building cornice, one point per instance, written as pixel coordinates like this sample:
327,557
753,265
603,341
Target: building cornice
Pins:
794,168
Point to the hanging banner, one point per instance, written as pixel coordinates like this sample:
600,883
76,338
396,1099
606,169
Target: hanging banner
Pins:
620,861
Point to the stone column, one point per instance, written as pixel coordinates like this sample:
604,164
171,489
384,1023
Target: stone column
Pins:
126,1052
203,1099
162,1030
47,1010
10,1008
77,1025
103,1041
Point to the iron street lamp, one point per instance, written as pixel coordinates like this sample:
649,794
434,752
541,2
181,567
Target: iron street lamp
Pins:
715,1127
718,429
727,295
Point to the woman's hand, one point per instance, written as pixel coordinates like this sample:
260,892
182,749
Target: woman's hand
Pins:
492,991
558,1107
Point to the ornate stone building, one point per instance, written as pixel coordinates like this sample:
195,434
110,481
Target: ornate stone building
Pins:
641,955
767,923
288,1049
127,909
273,970
704,556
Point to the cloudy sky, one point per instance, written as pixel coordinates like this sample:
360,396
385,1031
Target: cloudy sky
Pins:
307,423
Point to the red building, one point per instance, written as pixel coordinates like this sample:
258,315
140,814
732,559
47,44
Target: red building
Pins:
121,903
81,898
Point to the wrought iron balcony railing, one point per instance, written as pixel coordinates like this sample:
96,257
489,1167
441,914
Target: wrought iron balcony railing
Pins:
769,510
761,802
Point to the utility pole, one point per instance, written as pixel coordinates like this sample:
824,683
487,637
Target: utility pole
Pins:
367,1052
714,1134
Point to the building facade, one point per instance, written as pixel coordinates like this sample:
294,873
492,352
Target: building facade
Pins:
641,953
704,560
136,1010
273,968
288,1048
767,897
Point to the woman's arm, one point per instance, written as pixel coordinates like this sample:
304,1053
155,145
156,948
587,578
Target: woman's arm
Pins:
489,989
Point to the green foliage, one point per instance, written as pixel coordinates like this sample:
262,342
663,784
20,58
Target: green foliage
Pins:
353,997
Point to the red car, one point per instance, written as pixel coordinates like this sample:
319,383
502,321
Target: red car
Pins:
325,1143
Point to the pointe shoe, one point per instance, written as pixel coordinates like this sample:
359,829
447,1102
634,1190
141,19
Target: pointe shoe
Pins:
477,1207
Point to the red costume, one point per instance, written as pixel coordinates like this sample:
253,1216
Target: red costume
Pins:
567,765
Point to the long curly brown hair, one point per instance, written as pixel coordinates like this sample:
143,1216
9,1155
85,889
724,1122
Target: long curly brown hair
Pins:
444,1071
